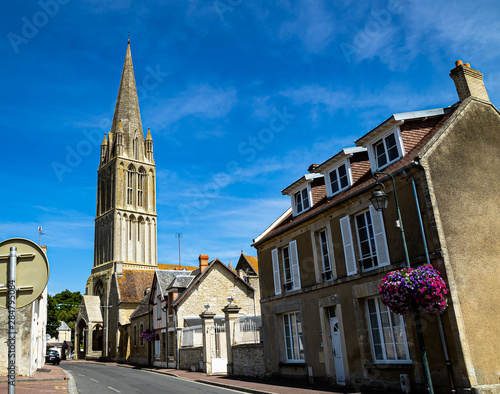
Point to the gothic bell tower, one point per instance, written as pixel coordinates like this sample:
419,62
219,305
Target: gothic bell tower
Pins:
125,222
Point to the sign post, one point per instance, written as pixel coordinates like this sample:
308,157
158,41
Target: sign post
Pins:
25,283
11,286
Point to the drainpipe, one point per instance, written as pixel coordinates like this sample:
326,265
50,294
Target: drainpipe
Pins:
440,321
177,361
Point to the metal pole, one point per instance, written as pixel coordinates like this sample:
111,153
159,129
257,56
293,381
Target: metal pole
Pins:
11,286
418,326
440,322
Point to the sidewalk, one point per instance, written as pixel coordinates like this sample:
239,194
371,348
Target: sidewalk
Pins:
248,385
49,379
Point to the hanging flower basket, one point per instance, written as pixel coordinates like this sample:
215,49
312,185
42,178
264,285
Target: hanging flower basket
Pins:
421,288
148,335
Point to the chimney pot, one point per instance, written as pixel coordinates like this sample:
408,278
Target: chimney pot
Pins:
467,64
459,63
203,259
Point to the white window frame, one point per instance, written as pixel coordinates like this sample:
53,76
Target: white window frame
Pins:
158,306
381,252
309,198
399,144
382,331
329,191
291,281
326,244
287,268
292,329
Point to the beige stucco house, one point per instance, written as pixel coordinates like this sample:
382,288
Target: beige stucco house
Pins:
321,262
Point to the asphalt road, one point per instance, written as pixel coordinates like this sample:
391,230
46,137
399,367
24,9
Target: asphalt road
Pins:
103,379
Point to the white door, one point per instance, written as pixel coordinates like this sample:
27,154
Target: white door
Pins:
337,351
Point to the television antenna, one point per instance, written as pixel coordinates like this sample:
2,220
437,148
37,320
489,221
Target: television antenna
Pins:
40,233
179,236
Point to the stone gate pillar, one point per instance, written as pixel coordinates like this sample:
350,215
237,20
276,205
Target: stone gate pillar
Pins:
208,329
232,332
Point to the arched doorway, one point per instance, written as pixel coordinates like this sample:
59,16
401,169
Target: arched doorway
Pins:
80,339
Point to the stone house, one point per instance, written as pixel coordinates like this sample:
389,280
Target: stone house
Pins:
179,299
321,262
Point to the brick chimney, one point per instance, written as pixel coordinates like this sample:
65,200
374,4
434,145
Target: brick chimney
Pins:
468,82
44,248
203,259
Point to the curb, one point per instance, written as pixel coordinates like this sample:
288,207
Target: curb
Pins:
232,387
72,389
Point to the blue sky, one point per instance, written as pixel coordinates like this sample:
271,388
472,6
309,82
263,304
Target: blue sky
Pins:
241,97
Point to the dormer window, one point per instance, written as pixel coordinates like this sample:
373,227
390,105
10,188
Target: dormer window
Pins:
300,192
339,179
387,150
301,200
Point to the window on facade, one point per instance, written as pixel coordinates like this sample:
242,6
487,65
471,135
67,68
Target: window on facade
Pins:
130,185
325,256
293,337
158,307
287,268
386,150
387,333
135,335
339,179
141,339
366,240
140,188
301,200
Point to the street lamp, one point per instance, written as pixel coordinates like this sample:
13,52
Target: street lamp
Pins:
380,201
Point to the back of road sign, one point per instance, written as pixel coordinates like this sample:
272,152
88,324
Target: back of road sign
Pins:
32,271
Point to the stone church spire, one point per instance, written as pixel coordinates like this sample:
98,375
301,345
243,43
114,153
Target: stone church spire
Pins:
127,111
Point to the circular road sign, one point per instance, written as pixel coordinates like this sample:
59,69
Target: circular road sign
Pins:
32,271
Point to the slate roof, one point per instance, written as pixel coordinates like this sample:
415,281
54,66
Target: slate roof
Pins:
63,327
198,278
173,279
417,133
143,308
133,283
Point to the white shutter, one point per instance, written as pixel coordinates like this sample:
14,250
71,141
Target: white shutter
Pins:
350,260
276,272
294,258
380,238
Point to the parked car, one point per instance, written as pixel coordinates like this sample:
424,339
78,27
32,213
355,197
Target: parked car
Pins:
52,357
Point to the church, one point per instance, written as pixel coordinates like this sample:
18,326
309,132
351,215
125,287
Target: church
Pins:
125,244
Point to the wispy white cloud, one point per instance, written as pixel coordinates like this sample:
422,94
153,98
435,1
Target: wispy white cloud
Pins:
310,23
202,101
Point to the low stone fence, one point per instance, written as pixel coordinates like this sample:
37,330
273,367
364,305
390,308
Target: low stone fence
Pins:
190,356
248,360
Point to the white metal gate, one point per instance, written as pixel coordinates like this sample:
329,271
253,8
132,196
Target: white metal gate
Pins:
218,348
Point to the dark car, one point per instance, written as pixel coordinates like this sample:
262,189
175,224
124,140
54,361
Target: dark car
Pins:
52,357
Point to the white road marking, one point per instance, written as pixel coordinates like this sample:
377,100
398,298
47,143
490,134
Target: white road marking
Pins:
111,388
94,380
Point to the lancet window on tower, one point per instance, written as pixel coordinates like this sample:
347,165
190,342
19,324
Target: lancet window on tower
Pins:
130,185
141,176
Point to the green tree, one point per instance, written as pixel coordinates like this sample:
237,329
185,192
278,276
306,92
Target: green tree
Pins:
64,307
